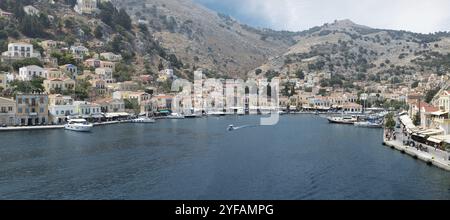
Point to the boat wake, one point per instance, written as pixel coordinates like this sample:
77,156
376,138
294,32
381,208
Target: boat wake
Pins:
233,128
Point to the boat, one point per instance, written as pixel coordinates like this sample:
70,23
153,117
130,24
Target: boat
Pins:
231,128
369,124
343,119
216,113
143,120
193,116
175,116
78,125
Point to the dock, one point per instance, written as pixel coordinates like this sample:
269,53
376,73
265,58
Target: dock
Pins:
435,157
50,127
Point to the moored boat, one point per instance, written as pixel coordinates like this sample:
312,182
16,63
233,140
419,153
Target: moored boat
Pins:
343,119
369,124
143,120
80,125
175,116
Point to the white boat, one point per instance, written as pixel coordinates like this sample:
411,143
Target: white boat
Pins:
231,128
79,125
368,124
143,120
175,116
343,120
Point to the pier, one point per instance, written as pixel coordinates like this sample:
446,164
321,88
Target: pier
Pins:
434,157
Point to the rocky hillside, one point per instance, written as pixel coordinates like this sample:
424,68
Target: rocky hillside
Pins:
357,51
203,38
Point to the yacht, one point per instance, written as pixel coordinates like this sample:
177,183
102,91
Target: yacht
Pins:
79,125
143,120
369,124
343,120
175,116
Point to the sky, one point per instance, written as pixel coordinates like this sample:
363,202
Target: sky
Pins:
422,16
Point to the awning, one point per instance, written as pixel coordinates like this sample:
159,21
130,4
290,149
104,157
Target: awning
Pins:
419,135
432,132
117,114
439,113
434,140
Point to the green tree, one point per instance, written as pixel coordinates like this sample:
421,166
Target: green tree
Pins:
417,120
390,122
98,32
26,62
132,104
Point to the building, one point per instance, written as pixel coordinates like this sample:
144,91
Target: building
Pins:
5,14
105,74
83,108
31,109
79,51
443,101
124,86
27,73
110,105
51,44
86,6
163,102
7,111
59,85
31,10
352,108
111,57
70,68
98,86
53,73
20,51
59,108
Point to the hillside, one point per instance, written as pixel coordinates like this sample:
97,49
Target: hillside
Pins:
361,52
204,38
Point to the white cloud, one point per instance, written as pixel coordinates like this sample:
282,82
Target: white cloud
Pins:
412,15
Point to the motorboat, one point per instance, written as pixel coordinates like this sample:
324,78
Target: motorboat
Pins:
369,124
343,119
78,125
231,128
193,116
175,116
143,120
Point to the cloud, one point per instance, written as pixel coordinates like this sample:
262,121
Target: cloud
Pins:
412,15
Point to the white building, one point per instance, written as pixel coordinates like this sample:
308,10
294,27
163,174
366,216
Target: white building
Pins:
105,74
111,57
79,51
86,6
30,10
87,108
59,108
20,51
28,72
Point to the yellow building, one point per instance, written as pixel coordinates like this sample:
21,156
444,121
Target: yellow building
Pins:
58,85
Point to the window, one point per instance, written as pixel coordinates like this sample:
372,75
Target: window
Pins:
41,100
10,108
19,100
57,112
41,110
27,110
19,110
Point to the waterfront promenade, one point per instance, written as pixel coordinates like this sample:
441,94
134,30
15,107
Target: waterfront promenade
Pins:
428,154
49,127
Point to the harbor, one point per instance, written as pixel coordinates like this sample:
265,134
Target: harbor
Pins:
292,160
